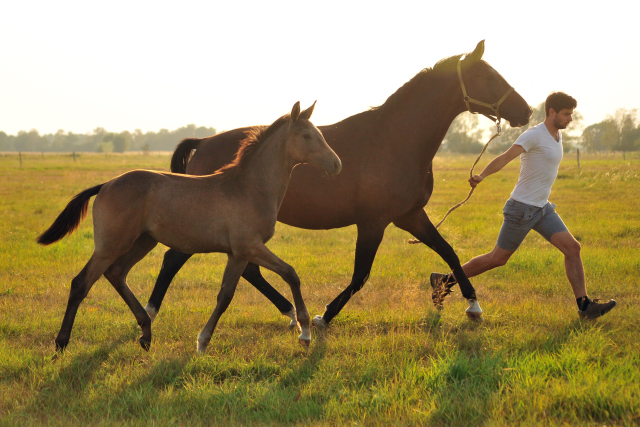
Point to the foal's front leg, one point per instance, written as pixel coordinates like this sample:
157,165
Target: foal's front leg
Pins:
262,256
232,272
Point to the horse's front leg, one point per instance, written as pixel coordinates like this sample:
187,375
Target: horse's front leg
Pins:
261,255
171,264
252,275
418,224
232,272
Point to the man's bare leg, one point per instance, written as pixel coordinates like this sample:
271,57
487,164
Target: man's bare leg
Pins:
478,265
570,247
441,284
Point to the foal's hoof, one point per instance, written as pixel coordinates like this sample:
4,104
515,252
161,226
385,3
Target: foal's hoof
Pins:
474,312
304,343
145,344
292,314
319,322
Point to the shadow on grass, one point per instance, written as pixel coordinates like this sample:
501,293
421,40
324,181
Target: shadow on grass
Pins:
470,381
62,394
214,389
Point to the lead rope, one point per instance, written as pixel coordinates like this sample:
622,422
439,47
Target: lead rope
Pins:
497,134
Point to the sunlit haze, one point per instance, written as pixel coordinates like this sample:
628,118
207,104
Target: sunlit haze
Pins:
126,65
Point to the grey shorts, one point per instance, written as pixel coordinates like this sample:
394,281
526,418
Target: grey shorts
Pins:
520,218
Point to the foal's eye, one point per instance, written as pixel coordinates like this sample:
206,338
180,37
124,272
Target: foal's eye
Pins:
306,136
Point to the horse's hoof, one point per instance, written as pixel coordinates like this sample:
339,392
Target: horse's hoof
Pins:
60,346
304,343
474,311
145,344
202,344
319,322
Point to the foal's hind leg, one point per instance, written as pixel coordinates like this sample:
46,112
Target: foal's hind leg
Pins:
117,275
80,286
232,273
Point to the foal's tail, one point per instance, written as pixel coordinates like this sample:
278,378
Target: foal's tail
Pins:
182,154
69,219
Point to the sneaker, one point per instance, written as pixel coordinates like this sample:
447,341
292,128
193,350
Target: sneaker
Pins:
596,309
441,287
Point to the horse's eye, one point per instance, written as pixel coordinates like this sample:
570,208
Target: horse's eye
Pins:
306,136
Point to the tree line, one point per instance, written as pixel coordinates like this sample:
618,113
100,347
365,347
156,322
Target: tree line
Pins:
618,132
101,140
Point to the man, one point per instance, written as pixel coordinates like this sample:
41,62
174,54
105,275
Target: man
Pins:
540,148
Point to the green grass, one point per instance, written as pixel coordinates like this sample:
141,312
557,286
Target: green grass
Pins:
387,359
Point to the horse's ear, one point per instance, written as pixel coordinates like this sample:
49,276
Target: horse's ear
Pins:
477,53
306,114
295,111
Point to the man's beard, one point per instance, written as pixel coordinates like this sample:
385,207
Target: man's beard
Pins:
559,125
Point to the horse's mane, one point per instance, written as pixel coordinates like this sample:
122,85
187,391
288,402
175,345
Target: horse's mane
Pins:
254,137
444,65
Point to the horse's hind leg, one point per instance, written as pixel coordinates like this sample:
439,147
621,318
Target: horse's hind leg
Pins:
232,273
369,238
171,264
117,276
418,224
80,286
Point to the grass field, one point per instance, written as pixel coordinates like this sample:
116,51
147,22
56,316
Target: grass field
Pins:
387,359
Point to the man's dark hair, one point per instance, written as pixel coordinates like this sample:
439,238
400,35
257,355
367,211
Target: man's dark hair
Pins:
558,101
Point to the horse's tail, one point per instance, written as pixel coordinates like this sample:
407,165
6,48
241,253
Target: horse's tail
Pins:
182,154
69,219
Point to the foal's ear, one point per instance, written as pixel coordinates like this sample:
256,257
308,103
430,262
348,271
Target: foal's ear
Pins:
476,55
295,111
306,114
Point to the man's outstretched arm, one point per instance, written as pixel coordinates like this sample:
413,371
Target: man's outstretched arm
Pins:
496,164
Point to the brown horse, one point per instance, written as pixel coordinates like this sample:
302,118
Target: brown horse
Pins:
233,210
387,176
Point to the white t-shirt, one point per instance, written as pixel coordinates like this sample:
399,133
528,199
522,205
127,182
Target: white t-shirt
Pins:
538,166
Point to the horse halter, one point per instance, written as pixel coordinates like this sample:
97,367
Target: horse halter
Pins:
495,107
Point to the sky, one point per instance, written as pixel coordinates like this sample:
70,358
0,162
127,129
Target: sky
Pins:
126,65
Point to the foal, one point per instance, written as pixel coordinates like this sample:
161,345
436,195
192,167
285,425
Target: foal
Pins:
233,211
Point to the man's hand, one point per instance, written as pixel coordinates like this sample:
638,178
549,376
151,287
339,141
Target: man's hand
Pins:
475,180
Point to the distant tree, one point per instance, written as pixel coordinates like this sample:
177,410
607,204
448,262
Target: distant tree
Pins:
30,141
101,140
5,142
138,139
464,135
121,142
592,138
105,147
620,132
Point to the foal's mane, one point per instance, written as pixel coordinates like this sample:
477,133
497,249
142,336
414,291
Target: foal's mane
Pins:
444,65
254,137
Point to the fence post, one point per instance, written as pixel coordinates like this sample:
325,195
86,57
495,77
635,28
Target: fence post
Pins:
20,155
74,156
578,158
